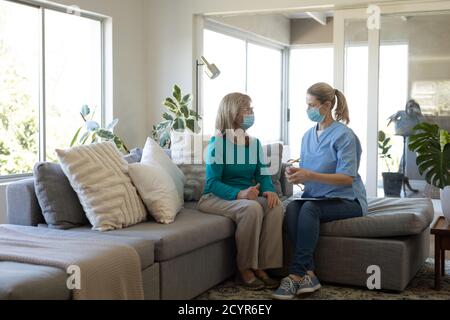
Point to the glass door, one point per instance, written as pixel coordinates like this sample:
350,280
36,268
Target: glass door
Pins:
356,54
384,57
414,83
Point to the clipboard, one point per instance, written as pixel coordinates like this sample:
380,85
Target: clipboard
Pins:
298,196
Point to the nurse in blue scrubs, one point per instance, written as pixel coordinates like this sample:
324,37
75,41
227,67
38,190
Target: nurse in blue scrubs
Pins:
329,163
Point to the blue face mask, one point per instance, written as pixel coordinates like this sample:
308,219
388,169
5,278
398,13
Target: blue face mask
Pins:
314,114
249,121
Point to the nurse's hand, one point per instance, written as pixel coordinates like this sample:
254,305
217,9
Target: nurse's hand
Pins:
250,193
298,175
272,199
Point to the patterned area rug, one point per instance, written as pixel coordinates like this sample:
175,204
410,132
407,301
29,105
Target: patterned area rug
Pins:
421,287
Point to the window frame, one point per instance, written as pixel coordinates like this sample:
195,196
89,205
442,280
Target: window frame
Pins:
324,45
42,7
250,38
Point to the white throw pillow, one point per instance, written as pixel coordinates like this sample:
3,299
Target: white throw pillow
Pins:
154,155
99,175
157,190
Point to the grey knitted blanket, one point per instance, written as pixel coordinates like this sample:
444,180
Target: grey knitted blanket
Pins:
97,270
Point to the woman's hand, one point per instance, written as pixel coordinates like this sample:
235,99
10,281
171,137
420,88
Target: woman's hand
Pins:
301,176
250,193
272,199
298,175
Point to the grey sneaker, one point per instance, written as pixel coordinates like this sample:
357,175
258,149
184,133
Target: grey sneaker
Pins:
287,290
308,284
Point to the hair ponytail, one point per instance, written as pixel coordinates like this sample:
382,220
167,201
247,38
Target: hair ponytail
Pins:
324,92
341,113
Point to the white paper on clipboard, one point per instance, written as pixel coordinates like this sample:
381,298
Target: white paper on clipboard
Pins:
311,199
298,196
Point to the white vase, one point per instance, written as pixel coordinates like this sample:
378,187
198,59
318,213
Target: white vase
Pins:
445,202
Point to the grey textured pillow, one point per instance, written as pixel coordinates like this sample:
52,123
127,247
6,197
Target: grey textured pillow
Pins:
195,181
59,202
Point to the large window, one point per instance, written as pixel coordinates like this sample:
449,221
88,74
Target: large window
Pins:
308,65
229,54
50,66
19,88
246,67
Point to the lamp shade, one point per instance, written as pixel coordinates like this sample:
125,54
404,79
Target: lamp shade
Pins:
211,69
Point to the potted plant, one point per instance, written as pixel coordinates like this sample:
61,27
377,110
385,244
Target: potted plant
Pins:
177,118
91,132
392,181
432,146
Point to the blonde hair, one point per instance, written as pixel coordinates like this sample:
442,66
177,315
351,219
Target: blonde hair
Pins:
229,110
324,92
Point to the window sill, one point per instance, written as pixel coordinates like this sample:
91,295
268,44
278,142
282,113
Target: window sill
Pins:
5,180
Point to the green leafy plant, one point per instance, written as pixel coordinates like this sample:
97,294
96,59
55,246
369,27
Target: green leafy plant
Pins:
432,146
178,117
94,133
385,145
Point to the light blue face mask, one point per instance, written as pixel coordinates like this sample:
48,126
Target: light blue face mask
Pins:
249,121
314,114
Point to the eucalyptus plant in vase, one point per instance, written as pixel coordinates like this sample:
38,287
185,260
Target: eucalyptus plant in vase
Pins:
177,118
179,130
432,145
92,132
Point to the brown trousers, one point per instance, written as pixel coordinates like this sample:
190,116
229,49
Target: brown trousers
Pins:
258,231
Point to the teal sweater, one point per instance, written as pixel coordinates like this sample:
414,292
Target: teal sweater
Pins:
225,176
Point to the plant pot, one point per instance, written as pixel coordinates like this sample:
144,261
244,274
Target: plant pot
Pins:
392,184
445,202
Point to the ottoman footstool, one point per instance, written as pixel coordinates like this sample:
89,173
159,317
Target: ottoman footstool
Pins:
395,236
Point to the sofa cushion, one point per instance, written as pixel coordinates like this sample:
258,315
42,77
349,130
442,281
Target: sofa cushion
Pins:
22,204
190,231
143,247
153,154
195,181
99,175
23,207
59,202
20,281
388,217
157,191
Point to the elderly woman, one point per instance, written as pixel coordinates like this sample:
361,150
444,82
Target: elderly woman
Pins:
238,187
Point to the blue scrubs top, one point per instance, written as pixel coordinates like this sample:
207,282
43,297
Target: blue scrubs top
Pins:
337,150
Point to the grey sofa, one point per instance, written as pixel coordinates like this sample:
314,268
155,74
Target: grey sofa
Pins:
197,252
